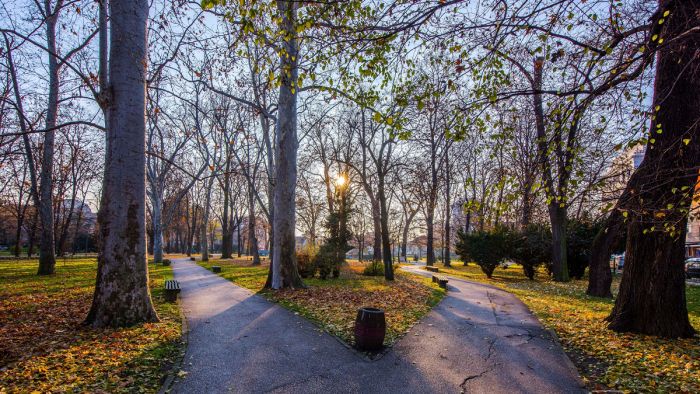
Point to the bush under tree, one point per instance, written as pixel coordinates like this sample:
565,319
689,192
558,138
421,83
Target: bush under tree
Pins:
532,248
580,235
486,249
331,255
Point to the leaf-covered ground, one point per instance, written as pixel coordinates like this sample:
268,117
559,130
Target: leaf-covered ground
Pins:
45,348
628,362
333,303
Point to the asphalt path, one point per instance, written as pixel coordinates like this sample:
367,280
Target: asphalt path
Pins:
479,339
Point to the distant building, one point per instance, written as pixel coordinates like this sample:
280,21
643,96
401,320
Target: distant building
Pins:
300,242
692,238
619,173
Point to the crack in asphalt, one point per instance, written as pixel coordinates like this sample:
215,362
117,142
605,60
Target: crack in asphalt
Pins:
489,295
491,345
477,376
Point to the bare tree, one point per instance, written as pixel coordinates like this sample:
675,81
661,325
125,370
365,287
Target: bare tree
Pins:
122,296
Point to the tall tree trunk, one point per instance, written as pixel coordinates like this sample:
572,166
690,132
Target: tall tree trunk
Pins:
284,265
61,244
404,233
652,292
34,190
361,250
252,238
47,246
430,242
599,275
386,243
122,296
557,211
157,223
226,235
78,223
18,234
558,220
447,260
526,217
204,237
192,230
238,235
32,235
377,228
448,210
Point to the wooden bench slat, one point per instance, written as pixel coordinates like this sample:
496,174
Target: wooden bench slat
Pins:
172,285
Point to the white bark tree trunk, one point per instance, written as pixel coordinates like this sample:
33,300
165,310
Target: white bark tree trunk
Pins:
205,221
284,267
122,296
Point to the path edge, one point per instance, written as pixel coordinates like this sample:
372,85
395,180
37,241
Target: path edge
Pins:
171,376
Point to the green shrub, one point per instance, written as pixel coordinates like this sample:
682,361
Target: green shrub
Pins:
532,248
374,268
486,249
306,261
331,255
580,235
328,261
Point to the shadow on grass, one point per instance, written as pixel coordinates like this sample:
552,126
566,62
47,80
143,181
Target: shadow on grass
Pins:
44,345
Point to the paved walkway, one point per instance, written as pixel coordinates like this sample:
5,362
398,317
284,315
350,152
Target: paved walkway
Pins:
478,340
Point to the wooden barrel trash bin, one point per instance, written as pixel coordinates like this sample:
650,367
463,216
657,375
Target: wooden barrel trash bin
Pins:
216,269
370,329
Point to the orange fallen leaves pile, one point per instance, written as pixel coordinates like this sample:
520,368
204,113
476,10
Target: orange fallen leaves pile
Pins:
334,307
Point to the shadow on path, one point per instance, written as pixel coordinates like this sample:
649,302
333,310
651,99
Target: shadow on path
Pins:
478,339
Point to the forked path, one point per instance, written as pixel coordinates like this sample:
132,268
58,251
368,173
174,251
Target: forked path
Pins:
478,339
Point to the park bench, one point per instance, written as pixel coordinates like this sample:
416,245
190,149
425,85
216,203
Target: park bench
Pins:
172,288
441,281
432,269
215,269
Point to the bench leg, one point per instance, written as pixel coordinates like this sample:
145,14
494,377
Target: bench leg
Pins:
171,295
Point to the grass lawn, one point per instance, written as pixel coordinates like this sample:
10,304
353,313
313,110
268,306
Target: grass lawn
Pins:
44,347
332,304
635,363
